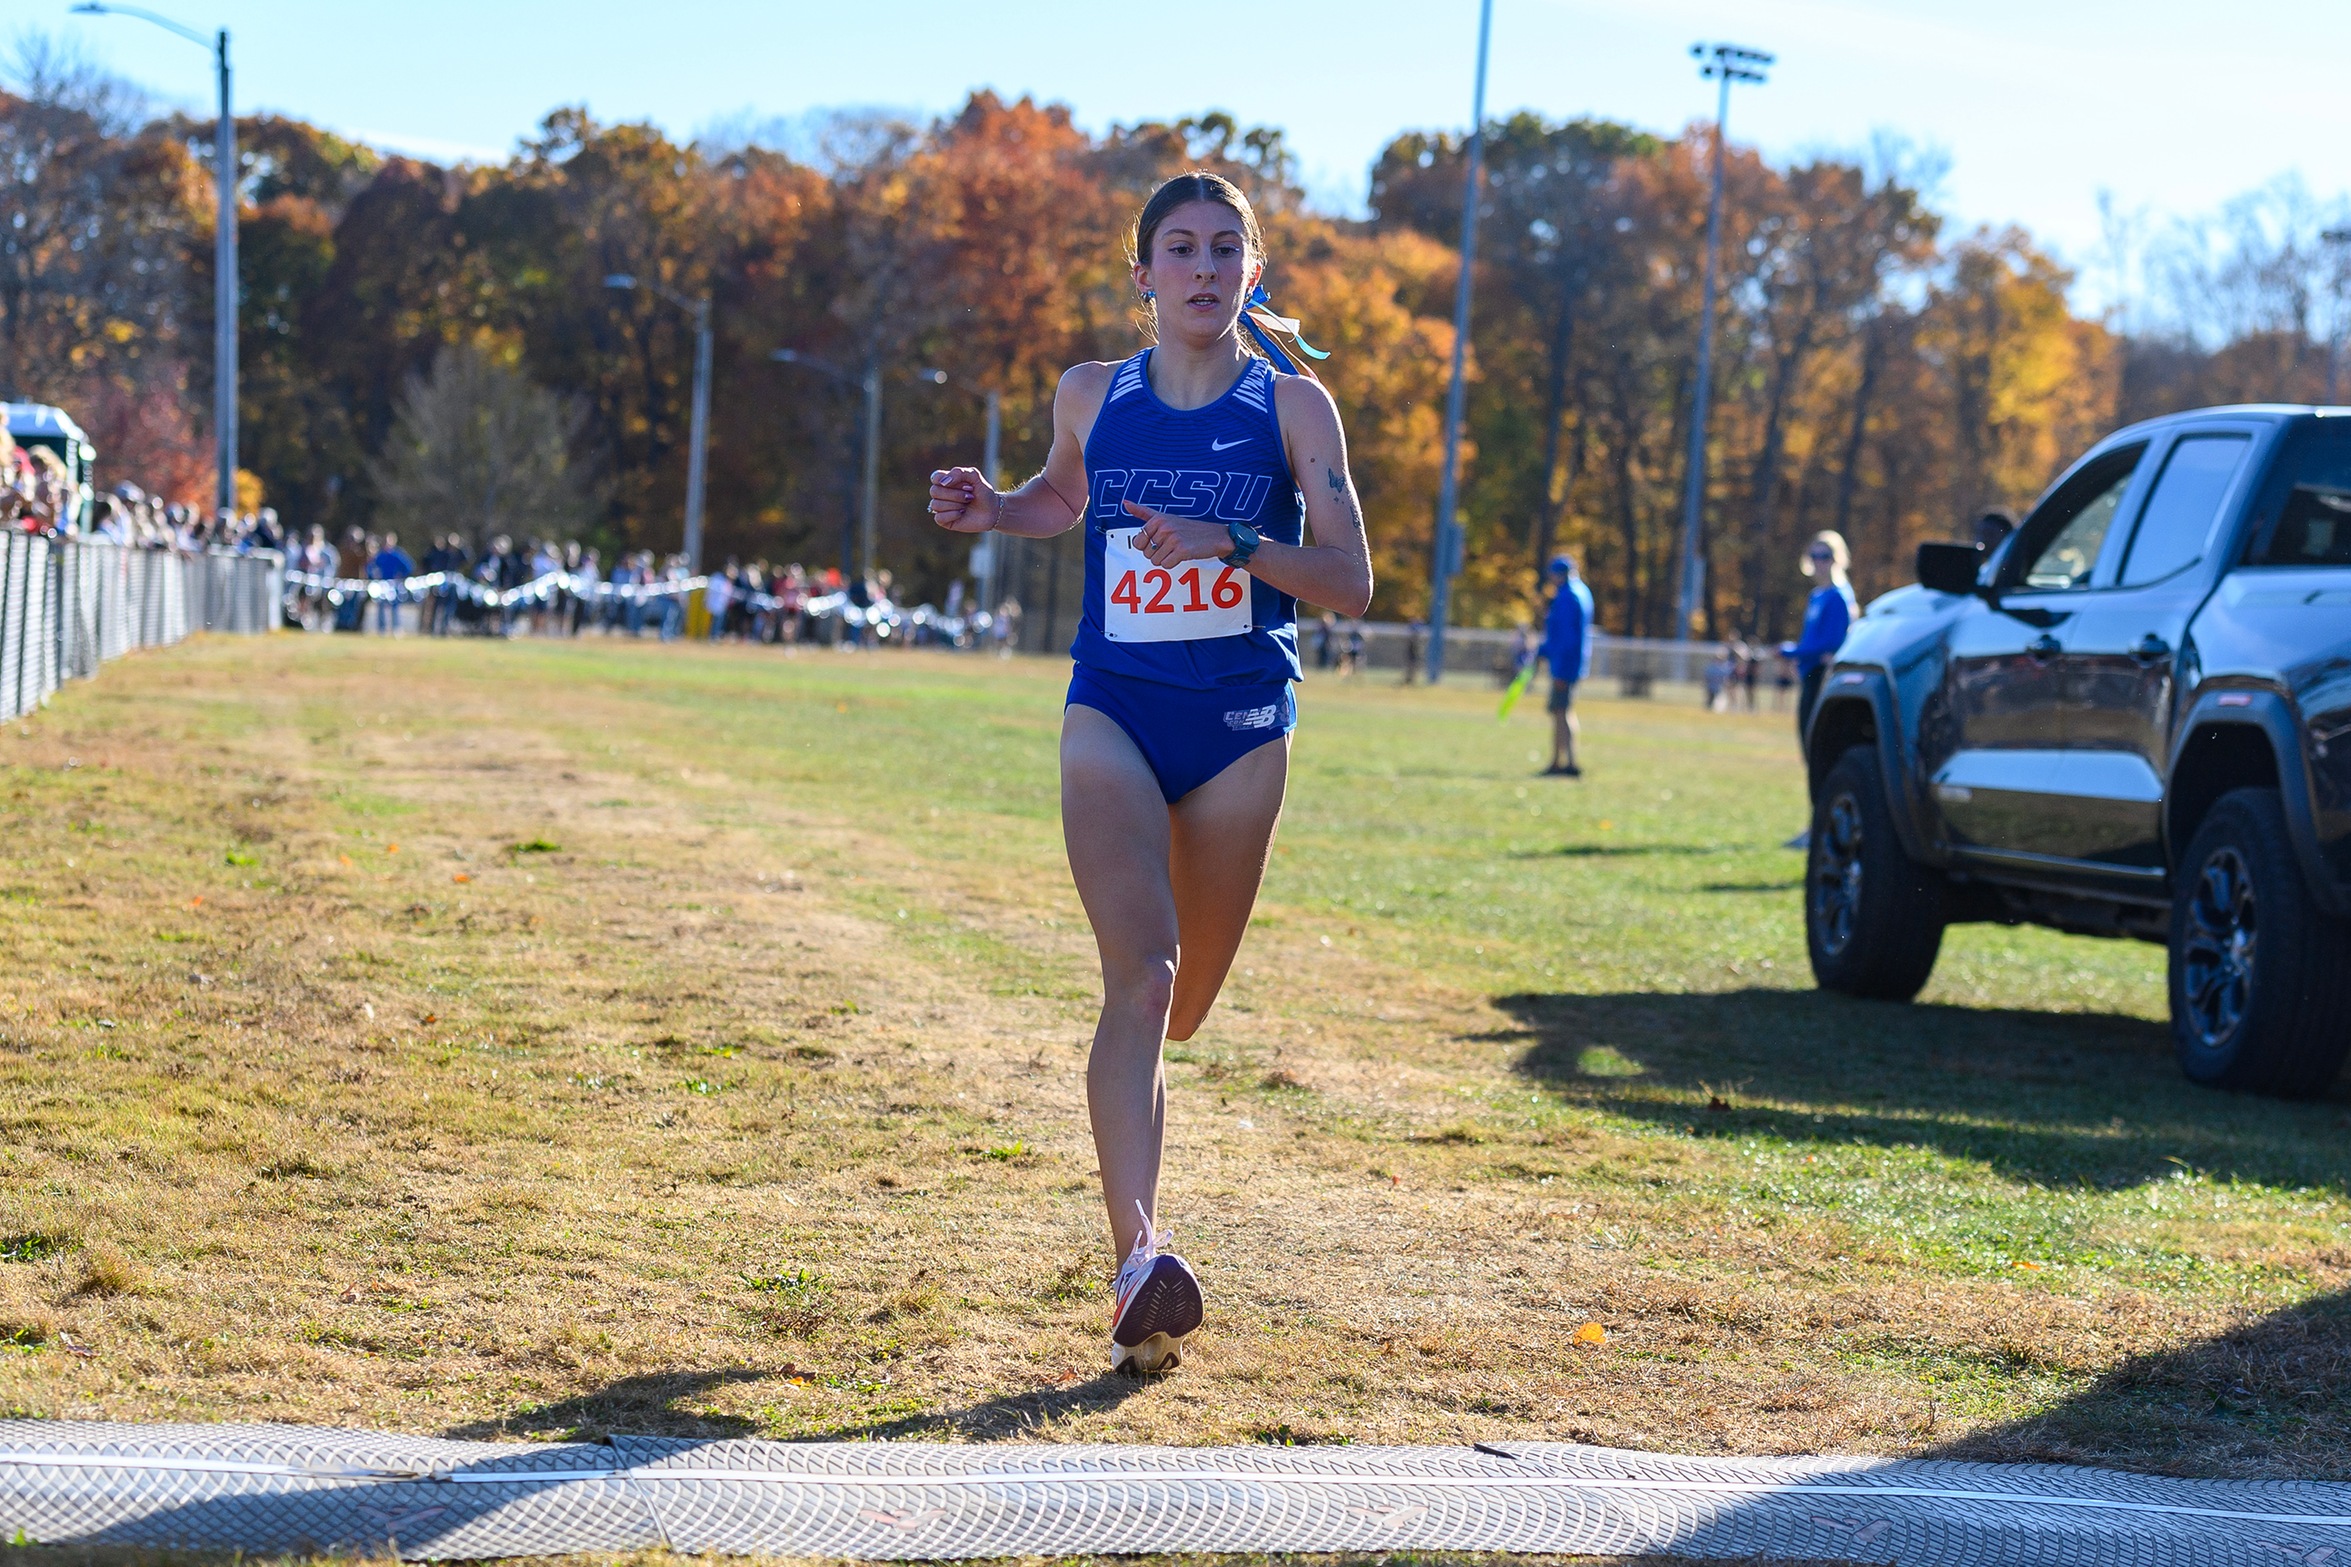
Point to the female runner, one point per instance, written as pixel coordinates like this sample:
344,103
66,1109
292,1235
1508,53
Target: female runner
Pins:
1192,467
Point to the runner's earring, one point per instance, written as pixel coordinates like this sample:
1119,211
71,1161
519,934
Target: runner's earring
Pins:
1149,295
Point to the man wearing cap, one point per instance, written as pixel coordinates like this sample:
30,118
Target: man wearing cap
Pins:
1567,643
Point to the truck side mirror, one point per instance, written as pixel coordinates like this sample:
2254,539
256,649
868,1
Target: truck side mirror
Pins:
1949,568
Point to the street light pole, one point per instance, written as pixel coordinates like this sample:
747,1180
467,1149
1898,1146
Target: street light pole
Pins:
992,455
869,383
224,304
988,554
698,436
1445,555
698,460
1723,63
873,460
224,250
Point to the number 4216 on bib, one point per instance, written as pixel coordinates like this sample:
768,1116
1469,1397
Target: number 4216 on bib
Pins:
1185,603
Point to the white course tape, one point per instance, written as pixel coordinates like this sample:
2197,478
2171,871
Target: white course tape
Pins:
1031,1477
258,1488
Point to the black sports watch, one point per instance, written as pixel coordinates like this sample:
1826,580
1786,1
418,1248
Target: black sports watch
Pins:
1245,542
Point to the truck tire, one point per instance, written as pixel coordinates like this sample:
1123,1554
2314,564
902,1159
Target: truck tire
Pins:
1873,916
2260,978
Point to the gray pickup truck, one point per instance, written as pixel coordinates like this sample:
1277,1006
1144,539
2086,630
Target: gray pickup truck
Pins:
2131,718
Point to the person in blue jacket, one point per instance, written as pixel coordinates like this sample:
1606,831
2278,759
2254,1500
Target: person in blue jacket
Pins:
1567,643
1828,614
391,565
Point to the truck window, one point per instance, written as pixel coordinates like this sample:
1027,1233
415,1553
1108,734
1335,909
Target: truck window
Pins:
2063,536
2306,505
2176,523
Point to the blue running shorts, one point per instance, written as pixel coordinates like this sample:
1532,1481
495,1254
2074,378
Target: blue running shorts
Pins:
1187,735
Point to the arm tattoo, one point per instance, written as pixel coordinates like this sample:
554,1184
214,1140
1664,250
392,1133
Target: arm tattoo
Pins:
1346,497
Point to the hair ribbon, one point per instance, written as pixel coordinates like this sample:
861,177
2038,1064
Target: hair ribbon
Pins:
1259,317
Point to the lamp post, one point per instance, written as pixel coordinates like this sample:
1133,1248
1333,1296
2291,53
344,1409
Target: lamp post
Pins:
697,458
2335,241
869,381
224,250
1445,554
992,563
1723,63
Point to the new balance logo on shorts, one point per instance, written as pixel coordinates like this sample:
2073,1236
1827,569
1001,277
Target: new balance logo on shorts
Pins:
1255,717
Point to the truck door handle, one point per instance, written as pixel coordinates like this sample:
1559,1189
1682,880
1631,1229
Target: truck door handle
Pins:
2151,649
2042,648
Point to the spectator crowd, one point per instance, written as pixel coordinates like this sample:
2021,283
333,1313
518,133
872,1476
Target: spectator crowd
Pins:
544,587
38,494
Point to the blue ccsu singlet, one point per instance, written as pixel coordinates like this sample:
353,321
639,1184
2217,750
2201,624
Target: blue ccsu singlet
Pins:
1195,664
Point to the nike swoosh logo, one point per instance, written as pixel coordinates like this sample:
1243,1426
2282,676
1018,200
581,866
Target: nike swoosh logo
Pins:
1218,446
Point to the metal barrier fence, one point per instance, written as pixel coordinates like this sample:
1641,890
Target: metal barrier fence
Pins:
1636,664
67,606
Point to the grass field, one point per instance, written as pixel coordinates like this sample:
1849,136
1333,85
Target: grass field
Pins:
539,1038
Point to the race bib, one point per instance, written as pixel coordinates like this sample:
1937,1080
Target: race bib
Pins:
1186,603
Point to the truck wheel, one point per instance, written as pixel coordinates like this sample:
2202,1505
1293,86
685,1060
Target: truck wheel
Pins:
1873,916
2260,979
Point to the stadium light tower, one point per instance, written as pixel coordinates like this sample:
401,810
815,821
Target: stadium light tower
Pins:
1724,64
224,249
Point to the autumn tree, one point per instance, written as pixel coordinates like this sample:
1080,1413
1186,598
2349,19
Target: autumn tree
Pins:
477,447
103,214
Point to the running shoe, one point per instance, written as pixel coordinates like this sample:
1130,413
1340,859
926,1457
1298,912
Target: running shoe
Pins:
1157,1307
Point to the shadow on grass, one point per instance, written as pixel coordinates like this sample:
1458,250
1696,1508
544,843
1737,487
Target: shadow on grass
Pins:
1621,851
2270,1399
2066,1099
1006,1416
633,1406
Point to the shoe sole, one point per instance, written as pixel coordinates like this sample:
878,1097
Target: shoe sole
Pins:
1166,1311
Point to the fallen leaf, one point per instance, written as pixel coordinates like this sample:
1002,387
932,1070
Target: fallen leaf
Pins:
345,858
1590,1333
2021,1263
196,901
432,1017
461,876
349,1296
392,848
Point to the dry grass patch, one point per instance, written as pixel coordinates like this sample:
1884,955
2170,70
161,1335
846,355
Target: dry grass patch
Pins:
514,1040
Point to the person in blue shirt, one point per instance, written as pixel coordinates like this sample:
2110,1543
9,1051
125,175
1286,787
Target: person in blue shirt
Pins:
1567,643
391,564
1828,614
1196,474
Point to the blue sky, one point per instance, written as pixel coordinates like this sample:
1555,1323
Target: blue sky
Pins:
2036,104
